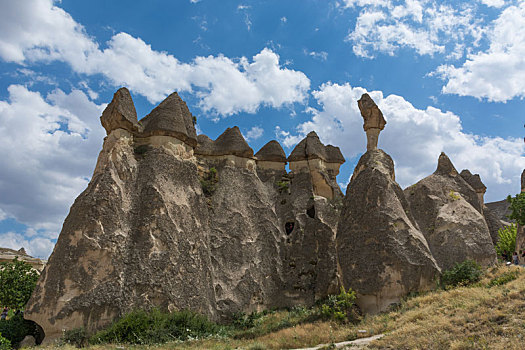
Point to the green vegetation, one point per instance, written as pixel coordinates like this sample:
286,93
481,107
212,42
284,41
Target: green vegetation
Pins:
209,182
77,337
283,186
504,278
506,240
153,327
16,328
4,343
462,274
17,282
340,307
454,195
140,150
517,208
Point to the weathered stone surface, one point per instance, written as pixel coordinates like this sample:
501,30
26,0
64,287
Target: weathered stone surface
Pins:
373,118
474,181
171,118
8,255
382,254
135,238
230,142
523,181
501,209
271,152
312,148
448,213
493,223
120,113
27,342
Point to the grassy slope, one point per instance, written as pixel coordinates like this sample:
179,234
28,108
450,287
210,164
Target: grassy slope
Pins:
475,317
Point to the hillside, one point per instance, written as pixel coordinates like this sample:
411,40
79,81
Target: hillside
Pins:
475,317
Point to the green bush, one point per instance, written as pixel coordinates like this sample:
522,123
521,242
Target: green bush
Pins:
154,327
464,273
209,182
340,307
504,278
77,337
517,208
16,328
506,240
243,320
283,186
5,344
17,282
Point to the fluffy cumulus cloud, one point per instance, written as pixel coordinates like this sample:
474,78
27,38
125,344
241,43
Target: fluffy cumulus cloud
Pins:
428,27
254,133
39,31
498,73
50,144
413,137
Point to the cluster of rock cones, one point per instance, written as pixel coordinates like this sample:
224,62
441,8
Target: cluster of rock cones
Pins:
146,233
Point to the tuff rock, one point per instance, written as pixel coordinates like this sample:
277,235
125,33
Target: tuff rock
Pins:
449,214
381,252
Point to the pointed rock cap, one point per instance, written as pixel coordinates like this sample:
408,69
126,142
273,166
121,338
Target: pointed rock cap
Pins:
474,181
171,118
120,113
22,251
312,148
272,152
445,166
205,146
230,142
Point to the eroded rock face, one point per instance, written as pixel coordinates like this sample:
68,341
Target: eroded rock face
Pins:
382,254
449,214
135,238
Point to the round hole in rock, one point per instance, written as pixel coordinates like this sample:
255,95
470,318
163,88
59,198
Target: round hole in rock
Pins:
311,211
288,227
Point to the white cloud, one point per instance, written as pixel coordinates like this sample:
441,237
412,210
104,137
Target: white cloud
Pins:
39,247
414,138
36,30
49,147
493,3
424,26
497,74
321,55
254,133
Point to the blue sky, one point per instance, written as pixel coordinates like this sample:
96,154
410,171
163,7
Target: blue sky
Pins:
449,76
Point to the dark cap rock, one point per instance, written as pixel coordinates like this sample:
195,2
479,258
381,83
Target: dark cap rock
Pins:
474,181
445,166
230,142
171,118
272,152
312,148
120,113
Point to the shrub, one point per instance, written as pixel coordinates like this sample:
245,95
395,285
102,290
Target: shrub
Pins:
17,282
5,344
517,208
506,240
140,150
209,182
243,320
283,186
464,273
340,307
504,278
77,337
154,327
16,328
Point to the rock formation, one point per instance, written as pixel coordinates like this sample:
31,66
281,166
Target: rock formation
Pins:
373,120
376,219
492,220
179,221
8,255
448,212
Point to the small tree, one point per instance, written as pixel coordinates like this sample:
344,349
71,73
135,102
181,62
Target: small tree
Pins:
17,282
506,240
517,208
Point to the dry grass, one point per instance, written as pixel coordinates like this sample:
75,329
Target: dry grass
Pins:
475,317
